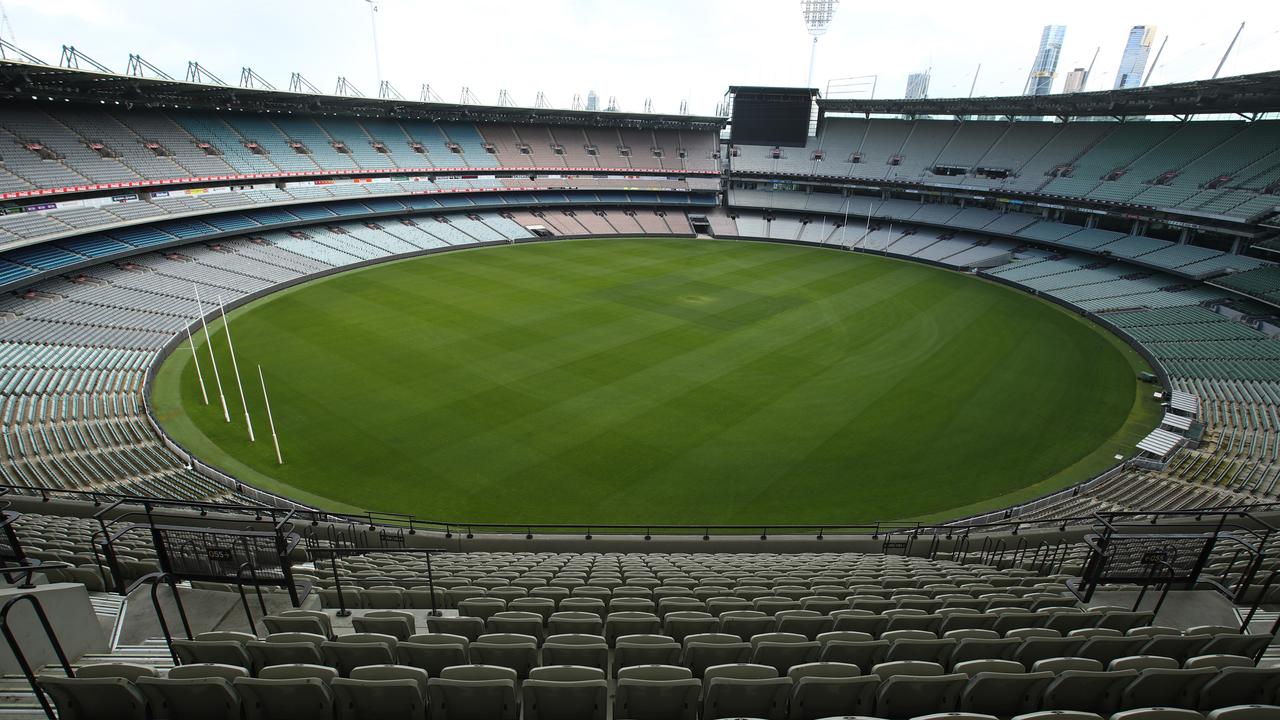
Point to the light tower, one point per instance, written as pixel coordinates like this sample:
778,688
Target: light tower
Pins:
817,17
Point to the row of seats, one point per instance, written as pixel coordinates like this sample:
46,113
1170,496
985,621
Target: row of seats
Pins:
896,691
446,644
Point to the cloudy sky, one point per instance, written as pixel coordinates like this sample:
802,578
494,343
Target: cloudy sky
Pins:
667,50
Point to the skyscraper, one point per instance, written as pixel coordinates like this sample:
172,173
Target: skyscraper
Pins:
593,100
1134,61
1045,67
917,85
1075,80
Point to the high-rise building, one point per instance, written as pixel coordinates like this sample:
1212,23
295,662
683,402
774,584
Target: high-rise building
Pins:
1134,61
917,85
1075,80
593,100
1045,67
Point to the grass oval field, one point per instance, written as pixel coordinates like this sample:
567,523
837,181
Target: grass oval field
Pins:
665,382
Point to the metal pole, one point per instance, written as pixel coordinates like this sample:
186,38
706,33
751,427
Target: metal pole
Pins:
813,56
199,375
235,367
1227,54
270,420
974,84
1152,69
373,22
217,377
844,229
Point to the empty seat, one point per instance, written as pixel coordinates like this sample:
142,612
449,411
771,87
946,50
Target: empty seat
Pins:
566,692
782,650
434,652
293,698
680,624
639,698
516,622
745,690
109,698
352,651
1158,687
1240,685
509,650
375,692
822,690
1089,690
468,627
584,650
707,649
575,623
399,625
809,623
630,623
903,696
645,650
1158,713
299,621
222,652
1004,694
1246,712
473,692
198,692
745,623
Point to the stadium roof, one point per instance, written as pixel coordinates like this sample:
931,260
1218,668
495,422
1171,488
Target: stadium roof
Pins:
1243,94
30,81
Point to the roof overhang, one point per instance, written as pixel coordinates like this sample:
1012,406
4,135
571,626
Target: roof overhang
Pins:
28,81
1242,94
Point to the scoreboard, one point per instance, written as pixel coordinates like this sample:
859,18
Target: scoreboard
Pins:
770,116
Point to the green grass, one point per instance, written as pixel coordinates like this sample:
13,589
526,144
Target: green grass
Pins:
663,381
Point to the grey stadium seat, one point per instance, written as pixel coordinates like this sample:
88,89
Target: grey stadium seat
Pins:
823,689
645,650
906,696
375,692
353,651
300,698
586,650
198,692
1240,685
1004,694
704,650
1246,712
1088,690
745,690
433,652
87,698
566,692
642,699
510,650
1166,688
474,692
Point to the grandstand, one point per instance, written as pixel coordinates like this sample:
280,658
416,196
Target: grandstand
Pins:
115,219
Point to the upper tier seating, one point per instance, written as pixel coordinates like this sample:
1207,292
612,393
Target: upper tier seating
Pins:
1155,164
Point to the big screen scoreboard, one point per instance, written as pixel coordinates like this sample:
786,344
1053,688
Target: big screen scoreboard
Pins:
770,116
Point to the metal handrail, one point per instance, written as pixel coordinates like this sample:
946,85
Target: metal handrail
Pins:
333,554
154,579
21,657
415,524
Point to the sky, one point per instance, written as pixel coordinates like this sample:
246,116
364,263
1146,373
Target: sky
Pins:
663,50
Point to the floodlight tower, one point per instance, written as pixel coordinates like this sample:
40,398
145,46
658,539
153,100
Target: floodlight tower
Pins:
817,17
